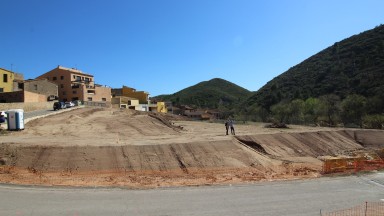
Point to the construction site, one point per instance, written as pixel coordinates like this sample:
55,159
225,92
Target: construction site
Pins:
127,148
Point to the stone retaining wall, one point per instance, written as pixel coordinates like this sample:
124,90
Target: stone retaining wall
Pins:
27,107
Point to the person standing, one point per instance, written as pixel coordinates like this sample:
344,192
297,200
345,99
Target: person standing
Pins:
226,126
231,124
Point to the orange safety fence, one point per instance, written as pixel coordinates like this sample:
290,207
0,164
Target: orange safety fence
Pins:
366,209
355,164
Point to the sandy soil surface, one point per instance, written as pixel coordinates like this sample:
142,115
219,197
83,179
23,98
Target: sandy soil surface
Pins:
110,147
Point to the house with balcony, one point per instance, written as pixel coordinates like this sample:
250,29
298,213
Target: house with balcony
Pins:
74,84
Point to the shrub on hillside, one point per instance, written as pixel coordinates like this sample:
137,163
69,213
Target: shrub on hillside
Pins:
373,121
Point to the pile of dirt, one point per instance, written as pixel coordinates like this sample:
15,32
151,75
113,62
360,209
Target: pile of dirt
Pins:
112,147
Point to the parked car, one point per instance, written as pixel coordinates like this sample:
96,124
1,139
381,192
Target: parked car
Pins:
69,104
59,105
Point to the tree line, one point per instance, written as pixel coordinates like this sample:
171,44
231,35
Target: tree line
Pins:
328,110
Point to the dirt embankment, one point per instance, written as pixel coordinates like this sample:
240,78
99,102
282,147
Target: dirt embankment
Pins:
121,147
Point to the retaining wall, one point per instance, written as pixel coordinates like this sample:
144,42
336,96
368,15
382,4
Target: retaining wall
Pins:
27,107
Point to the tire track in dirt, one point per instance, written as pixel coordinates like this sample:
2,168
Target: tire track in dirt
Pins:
177,157
127,162
69,156
41,159
191,152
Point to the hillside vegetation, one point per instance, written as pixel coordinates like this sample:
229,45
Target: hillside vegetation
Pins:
352,66
341,85
213,94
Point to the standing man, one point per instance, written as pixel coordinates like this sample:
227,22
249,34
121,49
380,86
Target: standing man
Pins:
231,123
227,126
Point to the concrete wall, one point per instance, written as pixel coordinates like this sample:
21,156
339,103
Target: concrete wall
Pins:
27,107
22,96
12,97
31,97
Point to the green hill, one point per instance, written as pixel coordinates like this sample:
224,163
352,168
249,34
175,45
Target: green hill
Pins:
352,66
213,94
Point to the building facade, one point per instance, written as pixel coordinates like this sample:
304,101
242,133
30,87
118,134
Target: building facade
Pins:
73,85
125,102
142,96
6,80
29,91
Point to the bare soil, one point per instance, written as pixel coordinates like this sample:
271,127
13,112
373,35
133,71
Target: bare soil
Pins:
111,147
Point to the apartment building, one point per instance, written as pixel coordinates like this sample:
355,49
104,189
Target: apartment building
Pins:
74,84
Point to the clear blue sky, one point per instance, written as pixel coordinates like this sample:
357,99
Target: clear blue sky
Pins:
163,46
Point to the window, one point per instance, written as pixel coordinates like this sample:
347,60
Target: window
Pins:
35,86
5,78
104,99
89,98
64,93
62,77
61,85
54,78
74,92
1,89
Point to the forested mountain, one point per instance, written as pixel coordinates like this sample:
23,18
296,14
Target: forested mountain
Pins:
352,66
343,85
213,94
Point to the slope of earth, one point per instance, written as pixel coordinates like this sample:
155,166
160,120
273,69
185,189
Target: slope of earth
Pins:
108,147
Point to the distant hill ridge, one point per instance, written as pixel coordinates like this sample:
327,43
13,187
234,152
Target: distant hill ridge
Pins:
213,94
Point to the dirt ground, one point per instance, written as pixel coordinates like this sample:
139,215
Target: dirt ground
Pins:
111,147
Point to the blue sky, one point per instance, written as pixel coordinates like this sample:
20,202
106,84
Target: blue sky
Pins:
163,46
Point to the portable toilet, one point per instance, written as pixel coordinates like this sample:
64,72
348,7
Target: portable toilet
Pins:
15,119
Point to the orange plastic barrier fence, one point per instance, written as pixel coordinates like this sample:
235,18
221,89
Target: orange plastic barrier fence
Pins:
366,209
351,165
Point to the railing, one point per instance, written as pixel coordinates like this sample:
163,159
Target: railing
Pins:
97,104
366,209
